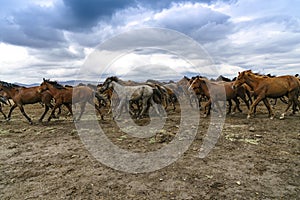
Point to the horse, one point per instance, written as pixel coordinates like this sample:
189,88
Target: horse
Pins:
214,90
172,91
265,87
67,96
22,96
135,93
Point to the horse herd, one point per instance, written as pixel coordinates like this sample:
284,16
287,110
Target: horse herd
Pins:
137,98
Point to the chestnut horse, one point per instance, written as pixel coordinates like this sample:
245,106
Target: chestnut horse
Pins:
265,87
67,96
213,91
22,96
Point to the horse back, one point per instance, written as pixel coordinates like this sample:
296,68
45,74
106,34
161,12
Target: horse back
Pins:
27,95
277,86
81,93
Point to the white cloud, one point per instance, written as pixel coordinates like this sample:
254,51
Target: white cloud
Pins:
241,34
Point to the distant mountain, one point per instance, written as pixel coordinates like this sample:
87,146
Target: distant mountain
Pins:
69,82
26,85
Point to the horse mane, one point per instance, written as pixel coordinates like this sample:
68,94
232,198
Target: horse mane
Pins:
185,77
54,84
264,75
259,75
114,78
9,85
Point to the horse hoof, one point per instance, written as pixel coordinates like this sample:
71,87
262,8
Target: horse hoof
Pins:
232,113
31,123
248,117
281,117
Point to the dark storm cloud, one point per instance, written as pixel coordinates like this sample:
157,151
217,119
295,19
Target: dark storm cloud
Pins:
86,13
31,27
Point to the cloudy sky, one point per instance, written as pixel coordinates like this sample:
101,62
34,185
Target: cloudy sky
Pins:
54,38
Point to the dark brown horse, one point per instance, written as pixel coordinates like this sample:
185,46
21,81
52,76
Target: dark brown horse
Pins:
22,96
67,96
265,87
214,90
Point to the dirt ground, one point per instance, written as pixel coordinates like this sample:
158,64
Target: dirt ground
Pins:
253,159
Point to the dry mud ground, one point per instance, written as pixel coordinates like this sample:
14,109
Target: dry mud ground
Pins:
253,159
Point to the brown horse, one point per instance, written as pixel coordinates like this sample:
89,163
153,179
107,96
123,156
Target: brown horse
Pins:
67,96
265,87
170,95
22,96
214,90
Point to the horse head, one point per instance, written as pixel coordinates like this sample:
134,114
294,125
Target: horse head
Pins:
43,86
240,80
107,83
197,83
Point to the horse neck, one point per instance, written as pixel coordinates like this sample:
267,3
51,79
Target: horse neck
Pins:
252,81
52,89
116,86
205,87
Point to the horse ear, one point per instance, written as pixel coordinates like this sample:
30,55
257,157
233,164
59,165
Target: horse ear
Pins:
239,73
43,79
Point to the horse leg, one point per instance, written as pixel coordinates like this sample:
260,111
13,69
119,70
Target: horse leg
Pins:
237,103
82,108
166,100
25,115
45,112
90,101
296,104
109,107
58,113
199,102
119,109
253,106
69,107
155,106
2,111
173,102
267,104
249,97
192,98
245,100
144,105
219,108
291,99
229,107
10,111
53,110
207,108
